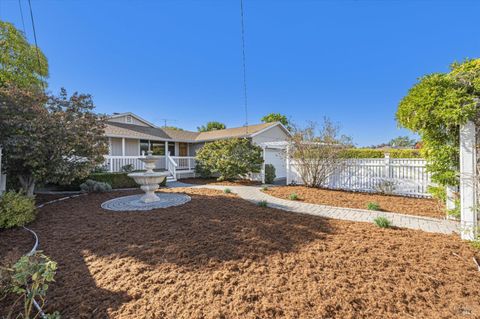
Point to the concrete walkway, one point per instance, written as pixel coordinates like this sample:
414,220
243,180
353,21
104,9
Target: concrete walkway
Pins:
254,194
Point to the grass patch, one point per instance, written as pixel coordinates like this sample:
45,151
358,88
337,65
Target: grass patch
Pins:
373,206
262,203
382,222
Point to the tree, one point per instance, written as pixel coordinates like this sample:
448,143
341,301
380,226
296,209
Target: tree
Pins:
277,117
211,126
434,108
318,152
231,158
21,64
402,141
173,128
49,138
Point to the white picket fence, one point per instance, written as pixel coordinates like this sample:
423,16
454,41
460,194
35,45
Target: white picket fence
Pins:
406,176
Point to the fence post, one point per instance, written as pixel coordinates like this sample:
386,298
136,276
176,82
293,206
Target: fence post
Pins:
263,165
387,173
468,214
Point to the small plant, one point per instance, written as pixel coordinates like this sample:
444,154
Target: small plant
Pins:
475,244
262,203
373,206
455,212
269,173
30,277
293,196
127,168
382,222
227,190
16,209
264,188
91,186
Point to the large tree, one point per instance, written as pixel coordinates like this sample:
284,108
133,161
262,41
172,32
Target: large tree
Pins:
211,126
21,64
402,141
277,117
434,108
230,159
49,138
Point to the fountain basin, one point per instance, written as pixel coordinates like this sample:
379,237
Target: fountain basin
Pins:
149,182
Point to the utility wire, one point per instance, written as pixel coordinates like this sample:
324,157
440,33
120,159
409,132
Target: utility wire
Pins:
36,44
21,15
244,69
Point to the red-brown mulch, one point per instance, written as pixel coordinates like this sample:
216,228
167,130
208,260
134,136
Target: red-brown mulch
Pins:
388,203
222,257
213,181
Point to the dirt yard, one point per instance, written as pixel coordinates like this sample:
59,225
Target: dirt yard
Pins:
221,257
388,203
213,181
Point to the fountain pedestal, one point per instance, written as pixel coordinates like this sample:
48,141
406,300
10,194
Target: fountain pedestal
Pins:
149,181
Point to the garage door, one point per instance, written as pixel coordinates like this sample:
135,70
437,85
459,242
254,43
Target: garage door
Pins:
277,159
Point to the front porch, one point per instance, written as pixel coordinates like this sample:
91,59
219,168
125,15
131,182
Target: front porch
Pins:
176,157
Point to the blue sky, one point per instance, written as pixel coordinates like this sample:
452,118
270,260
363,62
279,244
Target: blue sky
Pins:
349,60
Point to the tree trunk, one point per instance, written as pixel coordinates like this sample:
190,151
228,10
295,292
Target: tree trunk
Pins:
28,184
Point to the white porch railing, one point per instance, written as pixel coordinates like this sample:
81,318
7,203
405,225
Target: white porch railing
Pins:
184,162
171,166
115,163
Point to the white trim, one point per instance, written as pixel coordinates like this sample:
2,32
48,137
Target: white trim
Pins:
132,115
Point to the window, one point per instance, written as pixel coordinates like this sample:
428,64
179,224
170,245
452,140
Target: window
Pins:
129,119
171,148
183,149
158,148
144,146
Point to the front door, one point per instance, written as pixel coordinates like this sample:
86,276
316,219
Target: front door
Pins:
182,149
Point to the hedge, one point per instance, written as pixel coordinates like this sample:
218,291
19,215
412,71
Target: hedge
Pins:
116,180
376,153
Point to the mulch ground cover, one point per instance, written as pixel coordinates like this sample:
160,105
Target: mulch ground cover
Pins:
213,181
388,203
219,256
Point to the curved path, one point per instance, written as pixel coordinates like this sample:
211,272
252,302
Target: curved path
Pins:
254,194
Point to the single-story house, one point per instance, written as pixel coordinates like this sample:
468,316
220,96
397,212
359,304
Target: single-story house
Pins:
130,136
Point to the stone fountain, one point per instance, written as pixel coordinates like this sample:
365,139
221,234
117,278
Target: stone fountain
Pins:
149,181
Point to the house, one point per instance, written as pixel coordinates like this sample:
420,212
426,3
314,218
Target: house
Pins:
130,136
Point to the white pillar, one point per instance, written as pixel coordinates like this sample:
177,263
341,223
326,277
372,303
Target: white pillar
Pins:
468,219
387,166
263,165
287,164
123,146
166,154
450,191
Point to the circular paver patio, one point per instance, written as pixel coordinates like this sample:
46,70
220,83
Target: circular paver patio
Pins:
132,203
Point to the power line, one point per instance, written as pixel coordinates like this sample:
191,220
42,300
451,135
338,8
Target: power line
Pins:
36,44
244,68
21,14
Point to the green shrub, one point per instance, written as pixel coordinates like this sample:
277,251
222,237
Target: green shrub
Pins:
127,168
438,192
202,171
293,196
475,244
16,209
269,173
456,212
382,222
230,158
116,180
29,279
262,203
373,206
227,190
92,186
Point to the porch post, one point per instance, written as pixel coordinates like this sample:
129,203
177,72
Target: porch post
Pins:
166,154
468,216
123,146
